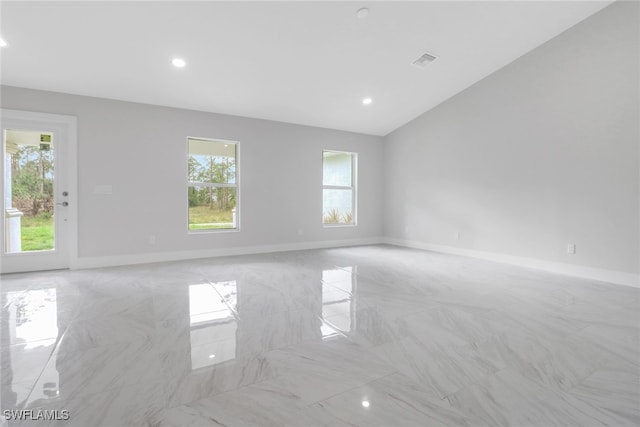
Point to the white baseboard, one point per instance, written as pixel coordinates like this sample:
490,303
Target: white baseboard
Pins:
611,276
145,258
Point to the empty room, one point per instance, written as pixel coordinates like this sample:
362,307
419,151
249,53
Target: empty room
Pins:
320,213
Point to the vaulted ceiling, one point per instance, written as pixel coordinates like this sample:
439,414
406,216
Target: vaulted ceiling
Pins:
301,62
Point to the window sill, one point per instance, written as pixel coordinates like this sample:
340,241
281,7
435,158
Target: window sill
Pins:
214,231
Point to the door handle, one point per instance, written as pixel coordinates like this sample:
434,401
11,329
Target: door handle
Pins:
63,203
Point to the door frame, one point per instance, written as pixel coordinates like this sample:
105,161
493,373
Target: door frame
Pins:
70,124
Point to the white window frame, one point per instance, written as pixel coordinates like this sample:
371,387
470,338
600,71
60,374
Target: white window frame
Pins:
215,185
352,187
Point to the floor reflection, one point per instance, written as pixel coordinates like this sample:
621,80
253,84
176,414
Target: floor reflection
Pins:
29,333
33,317
338,301
213,327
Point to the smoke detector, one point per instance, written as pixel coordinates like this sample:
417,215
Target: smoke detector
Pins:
362,13
424,60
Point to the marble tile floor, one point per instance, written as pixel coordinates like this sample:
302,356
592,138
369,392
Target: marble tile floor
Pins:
361,336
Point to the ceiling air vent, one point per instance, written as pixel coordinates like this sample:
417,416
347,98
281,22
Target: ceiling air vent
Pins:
424,60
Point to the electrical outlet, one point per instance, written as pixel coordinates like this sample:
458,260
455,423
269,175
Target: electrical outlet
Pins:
571,248
152,239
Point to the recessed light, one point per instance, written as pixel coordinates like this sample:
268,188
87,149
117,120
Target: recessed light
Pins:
211,356
365,403
3,43
178,62
362,13
367,101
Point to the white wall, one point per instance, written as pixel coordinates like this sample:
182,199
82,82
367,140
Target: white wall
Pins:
540,154
141,151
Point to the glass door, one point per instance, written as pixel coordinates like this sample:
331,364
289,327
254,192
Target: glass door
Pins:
35,196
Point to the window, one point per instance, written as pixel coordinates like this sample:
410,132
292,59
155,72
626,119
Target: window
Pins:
212,184
339,188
